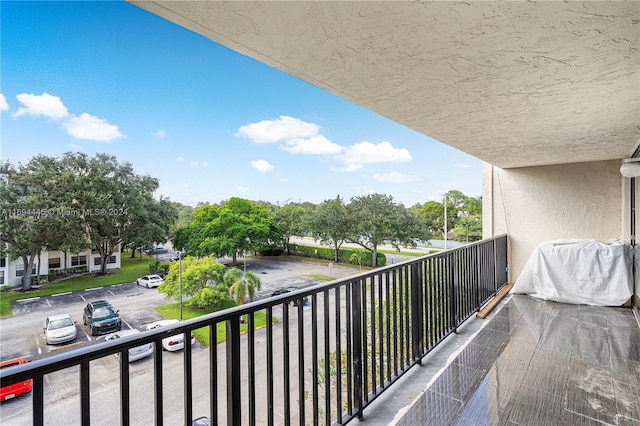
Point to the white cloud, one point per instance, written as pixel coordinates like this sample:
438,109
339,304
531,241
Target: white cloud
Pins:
461,166
3,103
45,105
317,145
205,164
92,128
242,188
194,163
282,129
357,155
180,159
159,134
394,177
76,147
85,126
262,166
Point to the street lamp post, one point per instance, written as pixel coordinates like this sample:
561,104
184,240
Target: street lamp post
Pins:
446,231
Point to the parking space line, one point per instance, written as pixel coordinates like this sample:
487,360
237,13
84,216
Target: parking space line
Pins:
48,303
128,325
28,300
110,292
82,297
85,333
55,348
35,336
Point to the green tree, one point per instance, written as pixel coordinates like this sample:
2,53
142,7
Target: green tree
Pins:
185,217
21,228
331,224
238,226
36,212
197,275
432,212
242,286
109,196
152,224
378,219
468,228
290,220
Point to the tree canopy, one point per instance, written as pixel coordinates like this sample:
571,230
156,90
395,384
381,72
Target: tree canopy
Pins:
74,202
331,224
238,226
378,219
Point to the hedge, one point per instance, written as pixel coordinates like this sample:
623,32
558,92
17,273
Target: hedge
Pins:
344,255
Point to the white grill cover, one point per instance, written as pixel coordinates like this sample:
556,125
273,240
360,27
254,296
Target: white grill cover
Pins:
585,272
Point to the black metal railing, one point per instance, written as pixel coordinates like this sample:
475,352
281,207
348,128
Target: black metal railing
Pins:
321,363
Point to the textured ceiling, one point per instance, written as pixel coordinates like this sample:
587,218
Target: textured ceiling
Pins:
512,83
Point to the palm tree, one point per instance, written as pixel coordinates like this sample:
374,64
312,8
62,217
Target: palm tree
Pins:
241,285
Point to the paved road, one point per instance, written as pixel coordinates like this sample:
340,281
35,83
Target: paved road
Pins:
22,335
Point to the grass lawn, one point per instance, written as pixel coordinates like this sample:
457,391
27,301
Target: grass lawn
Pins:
321,277
131,270
172,311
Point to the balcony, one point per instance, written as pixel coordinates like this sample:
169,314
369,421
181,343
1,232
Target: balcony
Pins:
539,362
356,346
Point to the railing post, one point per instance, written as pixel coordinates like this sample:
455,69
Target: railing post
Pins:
356,313
85,401
477,262
157,383
495,266
452,292
125,412
234,403
416,313
187,378
38,400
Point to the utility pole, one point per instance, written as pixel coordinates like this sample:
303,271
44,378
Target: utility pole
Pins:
446,231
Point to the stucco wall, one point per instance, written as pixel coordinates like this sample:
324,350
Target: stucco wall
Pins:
537,204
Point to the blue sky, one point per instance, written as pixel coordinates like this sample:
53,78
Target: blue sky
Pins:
208,122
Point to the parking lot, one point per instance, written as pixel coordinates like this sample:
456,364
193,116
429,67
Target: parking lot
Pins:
23,335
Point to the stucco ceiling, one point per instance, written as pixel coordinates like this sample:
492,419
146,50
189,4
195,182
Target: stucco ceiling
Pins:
512,83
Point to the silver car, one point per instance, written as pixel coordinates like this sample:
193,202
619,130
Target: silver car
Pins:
59,329
135,353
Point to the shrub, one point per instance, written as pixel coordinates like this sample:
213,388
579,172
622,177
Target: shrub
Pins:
271,251
344,254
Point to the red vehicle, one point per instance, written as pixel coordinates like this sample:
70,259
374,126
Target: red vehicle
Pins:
16,389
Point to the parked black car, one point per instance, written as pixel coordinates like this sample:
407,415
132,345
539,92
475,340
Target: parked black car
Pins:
305,299
101,317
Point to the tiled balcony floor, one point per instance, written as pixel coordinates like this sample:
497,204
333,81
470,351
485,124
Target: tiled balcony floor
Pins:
540,363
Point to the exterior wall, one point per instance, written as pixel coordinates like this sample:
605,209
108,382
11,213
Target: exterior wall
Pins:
10,267
538,204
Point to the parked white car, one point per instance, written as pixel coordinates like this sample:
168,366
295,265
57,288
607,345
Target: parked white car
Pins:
173,343
149,281
59,329
135,353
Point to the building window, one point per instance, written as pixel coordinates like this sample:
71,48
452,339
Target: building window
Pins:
97,261
20,270
1,277
79,260
54,262
112,259
3,263
94,251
